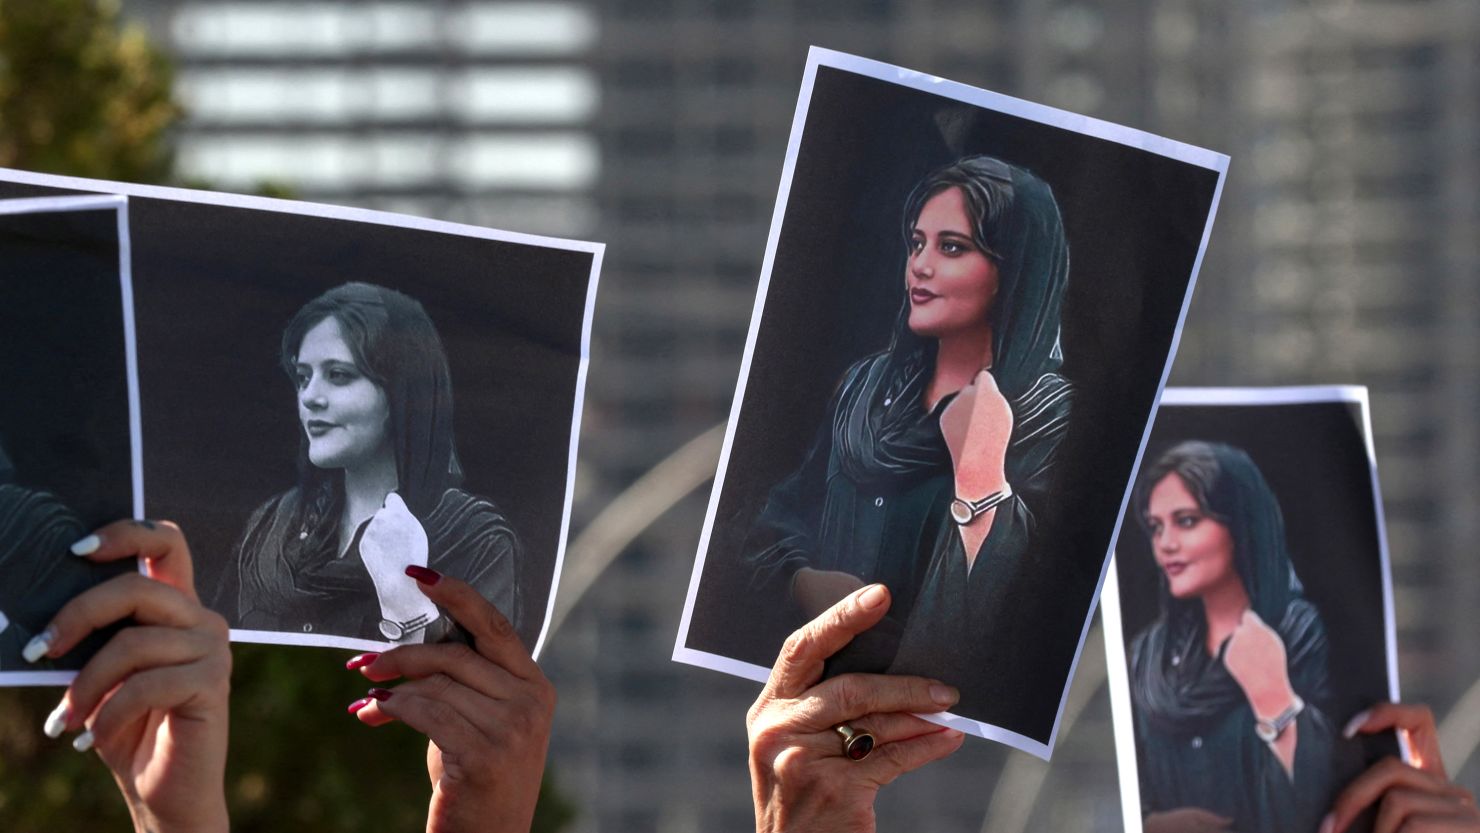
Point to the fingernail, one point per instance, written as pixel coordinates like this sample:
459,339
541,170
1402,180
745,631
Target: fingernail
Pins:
39,644
87,546
1328,824
424,575
955,733
56,722
873,597
83,742
360,704
381,694
944,695
361,661
1352,726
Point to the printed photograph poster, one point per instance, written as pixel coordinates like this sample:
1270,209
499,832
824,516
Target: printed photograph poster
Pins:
966,312
330,395
1249,612
69,430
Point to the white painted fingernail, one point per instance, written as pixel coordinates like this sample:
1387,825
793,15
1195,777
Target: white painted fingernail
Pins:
83,742
39,644
56,722
87,546
1328,823
1352,726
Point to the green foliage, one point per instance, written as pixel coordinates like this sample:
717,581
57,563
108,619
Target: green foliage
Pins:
80,95
298,760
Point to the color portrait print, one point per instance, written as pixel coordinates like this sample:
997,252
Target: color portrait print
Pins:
969,306
1253,590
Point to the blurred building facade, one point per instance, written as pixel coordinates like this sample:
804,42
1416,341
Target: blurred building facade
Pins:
1345,251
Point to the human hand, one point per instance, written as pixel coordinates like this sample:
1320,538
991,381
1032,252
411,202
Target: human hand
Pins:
153,700
393,539
801,780
977,426
1255,658
818,590
1413,799
486,708
1187,820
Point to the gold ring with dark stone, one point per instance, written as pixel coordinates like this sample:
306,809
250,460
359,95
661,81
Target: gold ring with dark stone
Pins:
856,743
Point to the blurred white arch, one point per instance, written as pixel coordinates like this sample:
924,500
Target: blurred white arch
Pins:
631,512
1022,778
1459,731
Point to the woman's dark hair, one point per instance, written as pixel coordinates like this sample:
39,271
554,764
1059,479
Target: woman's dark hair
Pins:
395,345
1015,221
1231,490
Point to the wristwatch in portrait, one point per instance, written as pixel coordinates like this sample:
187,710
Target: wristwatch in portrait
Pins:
964,512
1269,731
395,631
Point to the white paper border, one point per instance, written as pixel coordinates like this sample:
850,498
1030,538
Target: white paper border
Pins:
359,215
819,57
1115,658
119,205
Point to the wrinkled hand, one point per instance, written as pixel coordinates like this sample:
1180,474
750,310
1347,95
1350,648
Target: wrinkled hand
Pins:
393,539
1187,820
1411,799
818,590
153,700
977,427
1255,658
486,709
800,779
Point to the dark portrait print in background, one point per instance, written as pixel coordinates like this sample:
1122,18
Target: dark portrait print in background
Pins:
1314,458
214,287
65,460
1134,221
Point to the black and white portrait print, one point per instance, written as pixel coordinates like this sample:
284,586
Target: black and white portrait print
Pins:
66,435
333,396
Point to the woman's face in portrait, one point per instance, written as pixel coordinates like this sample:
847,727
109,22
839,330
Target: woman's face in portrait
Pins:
1193,550
344,414
951,282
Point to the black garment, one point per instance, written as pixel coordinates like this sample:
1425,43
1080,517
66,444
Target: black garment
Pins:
282,586
1195,740
39,574
896,529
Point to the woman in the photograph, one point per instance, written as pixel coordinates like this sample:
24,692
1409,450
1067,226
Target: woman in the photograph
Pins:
937,451
377,489
1229,685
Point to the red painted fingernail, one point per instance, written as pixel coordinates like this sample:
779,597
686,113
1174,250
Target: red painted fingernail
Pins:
361,661
379,693
423,574
359,704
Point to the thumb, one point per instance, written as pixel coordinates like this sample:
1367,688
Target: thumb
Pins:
394,503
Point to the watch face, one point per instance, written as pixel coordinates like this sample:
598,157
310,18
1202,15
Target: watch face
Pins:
1266,732
961,512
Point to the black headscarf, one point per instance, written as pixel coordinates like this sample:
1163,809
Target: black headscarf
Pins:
881,428
1176,684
